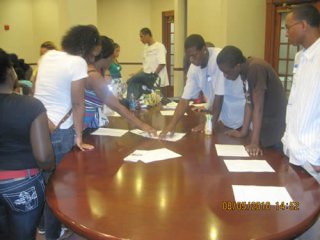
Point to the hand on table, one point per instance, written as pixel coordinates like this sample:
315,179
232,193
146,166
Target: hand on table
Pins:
150,130
83,146
166,133
254,150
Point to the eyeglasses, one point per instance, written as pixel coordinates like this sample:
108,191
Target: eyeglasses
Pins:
292,25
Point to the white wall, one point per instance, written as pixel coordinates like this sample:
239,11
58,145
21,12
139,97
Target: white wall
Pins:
208,18
18,14
246,26
35,21
230,22
46,28
237,22
121,21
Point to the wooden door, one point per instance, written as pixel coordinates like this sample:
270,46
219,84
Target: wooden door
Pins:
278,52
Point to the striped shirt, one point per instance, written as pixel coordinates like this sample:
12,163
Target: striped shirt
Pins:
301,139
92,105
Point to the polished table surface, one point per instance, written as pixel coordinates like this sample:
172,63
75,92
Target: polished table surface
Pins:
99,196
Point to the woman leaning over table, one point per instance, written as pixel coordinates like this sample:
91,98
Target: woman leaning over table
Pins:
60,87
24,148
98,90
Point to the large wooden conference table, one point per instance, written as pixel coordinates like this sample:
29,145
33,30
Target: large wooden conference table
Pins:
100,196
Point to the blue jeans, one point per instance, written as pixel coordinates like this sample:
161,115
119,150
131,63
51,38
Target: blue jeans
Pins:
23,202
62,141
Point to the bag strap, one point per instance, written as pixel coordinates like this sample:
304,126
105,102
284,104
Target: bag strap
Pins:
64,118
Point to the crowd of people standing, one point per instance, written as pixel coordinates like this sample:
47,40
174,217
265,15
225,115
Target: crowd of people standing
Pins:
71,85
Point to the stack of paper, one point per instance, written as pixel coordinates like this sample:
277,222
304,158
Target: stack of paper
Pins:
110,132
174,138
231,150
248,166
148,156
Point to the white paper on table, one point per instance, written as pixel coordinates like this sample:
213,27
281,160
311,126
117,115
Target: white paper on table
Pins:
200,105
135,156
247,193
231,150
248,166
114,114
114,132
170,105
160,154
169,113
148,156
174,138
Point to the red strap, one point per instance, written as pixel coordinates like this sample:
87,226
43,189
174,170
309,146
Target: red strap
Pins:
9,174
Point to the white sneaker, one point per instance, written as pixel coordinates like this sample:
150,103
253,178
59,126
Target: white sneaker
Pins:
65,233
41,231
63,230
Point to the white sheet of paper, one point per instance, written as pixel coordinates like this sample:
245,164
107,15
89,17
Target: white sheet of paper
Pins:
170,105
174,138
248,166
115,114
148,156
199,104
110,132
231,150
169,113
135,156
247,193
160,154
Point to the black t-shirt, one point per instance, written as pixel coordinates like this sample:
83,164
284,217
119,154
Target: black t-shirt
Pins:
16,116
261,76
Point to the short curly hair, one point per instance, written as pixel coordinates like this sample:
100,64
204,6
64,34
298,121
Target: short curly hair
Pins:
194,40
146,31
5,64
230,56
81,40
309,13
48,45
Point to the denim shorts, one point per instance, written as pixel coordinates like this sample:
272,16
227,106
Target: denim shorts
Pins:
23,201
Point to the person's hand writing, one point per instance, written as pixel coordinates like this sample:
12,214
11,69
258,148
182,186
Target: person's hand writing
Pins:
254,150
199,128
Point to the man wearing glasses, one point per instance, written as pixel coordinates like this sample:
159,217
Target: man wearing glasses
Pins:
301,139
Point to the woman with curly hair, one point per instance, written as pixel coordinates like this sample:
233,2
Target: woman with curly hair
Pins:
60,87
98,92
25,149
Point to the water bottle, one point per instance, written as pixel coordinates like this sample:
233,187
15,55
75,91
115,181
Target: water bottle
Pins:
208,126
132,102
